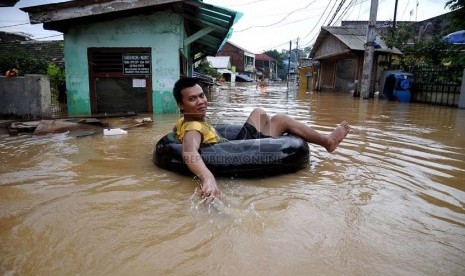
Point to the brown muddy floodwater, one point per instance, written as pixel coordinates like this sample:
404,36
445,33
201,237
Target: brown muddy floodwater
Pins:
389,201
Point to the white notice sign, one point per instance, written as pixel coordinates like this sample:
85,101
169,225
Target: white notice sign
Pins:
138,83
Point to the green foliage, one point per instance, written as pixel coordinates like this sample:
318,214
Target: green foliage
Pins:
399,36
277,56
24,62
419,52
206,69
306,51
57,79
456,18
431,52
56,74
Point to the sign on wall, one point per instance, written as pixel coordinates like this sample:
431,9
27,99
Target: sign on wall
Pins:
136,64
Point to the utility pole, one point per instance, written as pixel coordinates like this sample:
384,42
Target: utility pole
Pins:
367,73
298,57
297,64
289,63
395,16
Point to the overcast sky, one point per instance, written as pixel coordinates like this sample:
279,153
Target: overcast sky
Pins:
266,24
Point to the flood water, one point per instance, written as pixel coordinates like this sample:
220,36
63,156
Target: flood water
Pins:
389,201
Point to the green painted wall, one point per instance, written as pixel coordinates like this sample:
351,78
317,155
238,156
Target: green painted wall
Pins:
163,32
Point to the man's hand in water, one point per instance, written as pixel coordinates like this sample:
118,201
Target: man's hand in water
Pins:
209,189
193,160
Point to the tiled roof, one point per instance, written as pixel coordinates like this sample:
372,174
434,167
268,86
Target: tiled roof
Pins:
51,51
6,37
354,37
263,57
8,3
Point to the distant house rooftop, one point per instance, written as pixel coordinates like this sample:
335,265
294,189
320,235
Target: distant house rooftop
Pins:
221,62
353,37
263,57
247,52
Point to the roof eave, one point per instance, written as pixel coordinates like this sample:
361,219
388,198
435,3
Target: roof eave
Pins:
64,11
197,16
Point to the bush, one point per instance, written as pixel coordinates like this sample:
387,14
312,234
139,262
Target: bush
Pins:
24,62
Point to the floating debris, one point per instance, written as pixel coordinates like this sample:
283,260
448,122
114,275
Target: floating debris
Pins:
114,131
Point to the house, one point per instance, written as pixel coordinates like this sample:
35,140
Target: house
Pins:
242,61
223,66
48,50
340,53
125,56
266,66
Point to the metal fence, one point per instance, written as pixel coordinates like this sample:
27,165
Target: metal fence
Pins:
437,86
58,97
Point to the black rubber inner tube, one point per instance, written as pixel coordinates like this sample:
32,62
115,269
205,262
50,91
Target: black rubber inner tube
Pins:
237,158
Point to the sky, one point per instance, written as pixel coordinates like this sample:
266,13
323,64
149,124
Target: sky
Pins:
266,24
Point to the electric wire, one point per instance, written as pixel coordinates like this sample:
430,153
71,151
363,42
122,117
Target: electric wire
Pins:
279,21
14,25
336,12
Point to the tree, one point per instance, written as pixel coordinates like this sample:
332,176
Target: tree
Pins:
206,69
24,62
306,51
418,52
277,56
456,17
398,36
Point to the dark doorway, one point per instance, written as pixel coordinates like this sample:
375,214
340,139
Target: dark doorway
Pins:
345,75
120,80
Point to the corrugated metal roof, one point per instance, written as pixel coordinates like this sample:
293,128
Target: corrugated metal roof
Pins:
354,37
197,16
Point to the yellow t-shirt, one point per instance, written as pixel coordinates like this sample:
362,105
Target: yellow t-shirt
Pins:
209,134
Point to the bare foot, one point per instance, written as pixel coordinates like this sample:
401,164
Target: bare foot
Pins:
336,137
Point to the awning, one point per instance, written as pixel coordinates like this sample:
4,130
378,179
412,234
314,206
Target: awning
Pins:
244,77
456,37
213,22
224,71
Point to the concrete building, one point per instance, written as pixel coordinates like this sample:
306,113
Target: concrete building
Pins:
125,56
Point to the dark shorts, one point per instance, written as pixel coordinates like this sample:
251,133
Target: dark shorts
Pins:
248,131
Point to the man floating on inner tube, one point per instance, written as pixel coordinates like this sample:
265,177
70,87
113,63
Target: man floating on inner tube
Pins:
193,130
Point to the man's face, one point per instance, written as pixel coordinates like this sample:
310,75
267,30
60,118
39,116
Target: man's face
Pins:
194,102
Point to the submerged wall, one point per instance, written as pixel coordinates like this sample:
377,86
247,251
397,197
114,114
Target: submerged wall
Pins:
462,92
162,32
25,97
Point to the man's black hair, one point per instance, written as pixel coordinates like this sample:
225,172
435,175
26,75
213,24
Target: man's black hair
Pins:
180,85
